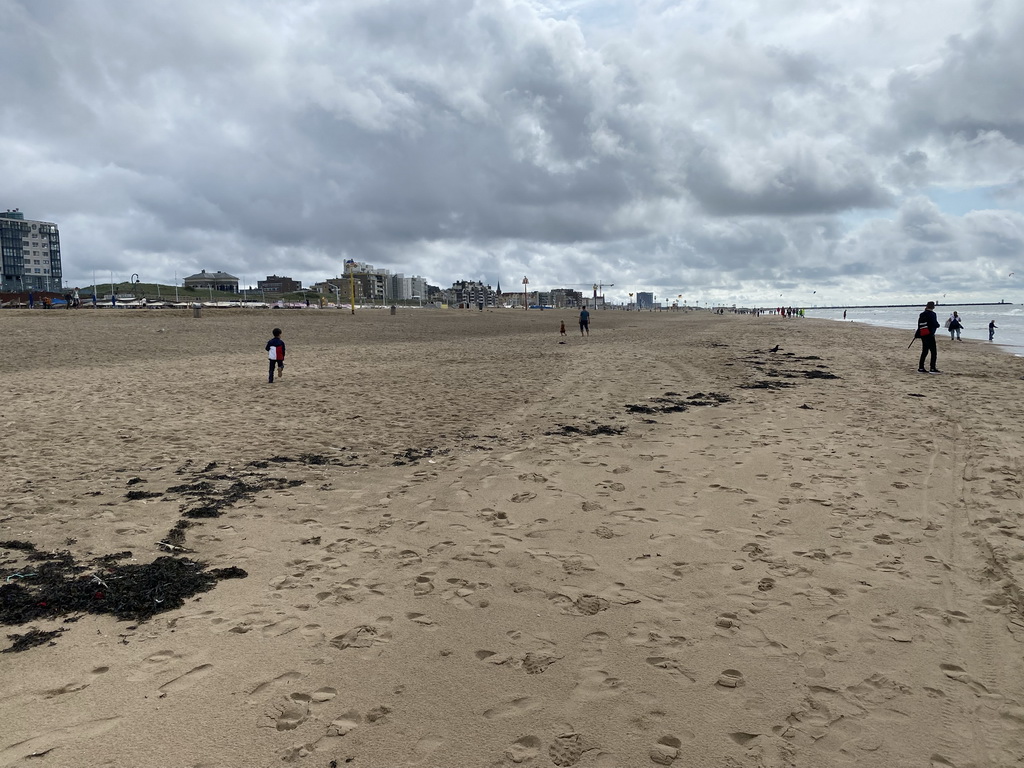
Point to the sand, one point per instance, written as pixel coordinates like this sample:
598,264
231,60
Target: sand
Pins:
469,544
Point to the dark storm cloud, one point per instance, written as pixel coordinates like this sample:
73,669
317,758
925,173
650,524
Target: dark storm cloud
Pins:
733,147
973,89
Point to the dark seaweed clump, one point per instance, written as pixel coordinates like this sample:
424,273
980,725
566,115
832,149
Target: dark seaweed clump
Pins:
599,429
31,639
211,502
134,495
673,402
51,585
412,455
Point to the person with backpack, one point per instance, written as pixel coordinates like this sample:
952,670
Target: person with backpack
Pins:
275,353
927,325
954,325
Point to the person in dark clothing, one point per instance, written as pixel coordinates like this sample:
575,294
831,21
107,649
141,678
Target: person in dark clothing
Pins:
927,324
275,353
584,322
992,330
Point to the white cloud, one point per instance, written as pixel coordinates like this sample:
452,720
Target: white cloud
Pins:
716,147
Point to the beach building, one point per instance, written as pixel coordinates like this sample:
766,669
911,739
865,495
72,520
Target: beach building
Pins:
645,300
408,288
277,284
217,281
31,254
468,293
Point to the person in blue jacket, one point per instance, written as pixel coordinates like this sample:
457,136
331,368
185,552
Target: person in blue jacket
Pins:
275,353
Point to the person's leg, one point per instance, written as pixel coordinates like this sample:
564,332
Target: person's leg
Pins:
933,351
280,368
924,353
270,373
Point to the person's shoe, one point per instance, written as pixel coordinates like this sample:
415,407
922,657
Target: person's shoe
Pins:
921,370
934,370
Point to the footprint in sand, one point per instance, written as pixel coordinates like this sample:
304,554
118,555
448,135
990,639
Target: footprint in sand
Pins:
672,666
536,663
462,594
76,685
287,677
594,646
666,750
292,713
727,620
523,749
186,680
37,746
583,605
423,620
512,708
730,678
344,723
596,684
283,627
566,749
424,583
365,635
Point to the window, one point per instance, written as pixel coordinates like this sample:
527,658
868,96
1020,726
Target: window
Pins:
37,270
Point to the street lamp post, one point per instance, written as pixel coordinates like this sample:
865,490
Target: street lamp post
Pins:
526,303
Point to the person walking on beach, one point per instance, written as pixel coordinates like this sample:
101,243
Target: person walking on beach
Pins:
561,330
992,330
955,326
275,353
584,322
927,325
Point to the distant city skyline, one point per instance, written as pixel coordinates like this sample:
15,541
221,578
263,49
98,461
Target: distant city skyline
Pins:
748,152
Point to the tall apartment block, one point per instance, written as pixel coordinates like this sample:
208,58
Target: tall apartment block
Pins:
31,254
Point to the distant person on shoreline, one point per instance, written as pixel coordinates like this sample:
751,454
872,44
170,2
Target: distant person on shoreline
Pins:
584,322
275,353
954,325
927,325
992,330
561,331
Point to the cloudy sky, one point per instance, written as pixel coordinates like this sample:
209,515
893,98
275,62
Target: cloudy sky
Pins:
749,151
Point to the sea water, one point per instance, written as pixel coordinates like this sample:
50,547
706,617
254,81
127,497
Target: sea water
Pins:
1009,321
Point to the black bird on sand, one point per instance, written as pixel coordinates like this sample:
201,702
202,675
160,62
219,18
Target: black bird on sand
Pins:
774,349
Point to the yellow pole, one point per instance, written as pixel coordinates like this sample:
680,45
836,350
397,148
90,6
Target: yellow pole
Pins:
352,286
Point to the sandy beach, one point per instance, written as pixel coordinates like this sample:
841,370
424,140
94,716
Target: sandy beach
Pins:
467,543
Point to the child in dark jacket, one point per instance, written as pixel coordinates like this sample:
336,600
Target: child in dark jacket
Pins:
275,352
